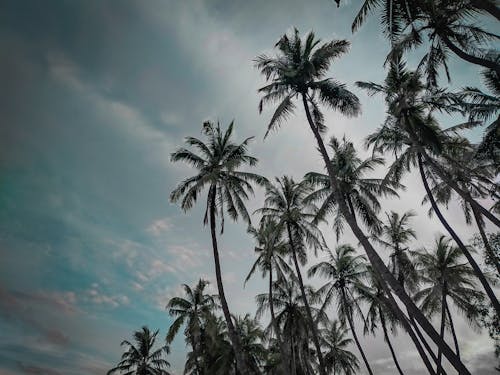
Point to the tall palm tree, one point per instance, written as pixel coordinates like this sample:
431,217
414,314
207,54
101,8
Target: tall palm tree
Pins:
445,277
191,311
270,249
298,71
141,358
412,134
344,270
360,192
218,163
338,359
285,205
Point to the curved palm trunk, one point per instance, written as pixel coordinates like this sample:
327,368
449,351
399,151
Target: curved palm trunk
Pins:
422,339
235,340
354,335
465,195
486,243
388,341
487,6
443,322
284,357
470,259
377,262
312,325
452,327
471,58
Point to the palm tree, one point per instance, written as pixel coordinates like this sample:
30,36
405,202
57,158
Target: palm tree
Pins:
191,311
298,71
360,192
395,235
411,133
338,359
140,358
373,295
446,277
344,270
218,162
285,205
271,250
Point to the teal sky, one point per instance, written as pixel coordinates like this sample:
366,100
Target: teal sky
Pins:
94,96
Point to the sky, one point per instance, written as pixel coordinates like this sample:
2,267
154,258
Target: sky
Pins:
94,97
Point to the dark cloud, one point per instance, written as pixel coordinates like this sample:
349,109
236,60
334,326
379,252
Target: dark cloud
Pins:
36,370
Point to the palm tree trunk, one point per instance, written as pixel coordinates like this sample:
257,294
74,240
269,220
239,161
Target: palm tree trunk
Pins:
443,322
388,341
465,195
452,326
351,326
284,357
314,331
235,340
422,339
377,262
470,58
488,6
470,259
486,243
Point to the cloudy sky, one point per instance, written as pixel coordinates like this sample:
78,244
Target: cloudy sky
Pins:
94,97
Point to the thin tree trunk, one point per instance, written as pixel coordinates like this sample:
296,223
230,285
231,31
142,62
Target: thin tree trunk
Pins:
488,6
423,340
470,259
351,326
377,262
284,362
452,327
471,58
235,340
465,195
314,331
486,243
443,322
386,336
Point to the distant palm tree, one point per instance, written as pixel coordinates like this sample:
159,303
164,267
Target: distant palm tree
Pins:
191,311
361,193
218,164
141,358
444,276
298,71
344,270
338,359
285,205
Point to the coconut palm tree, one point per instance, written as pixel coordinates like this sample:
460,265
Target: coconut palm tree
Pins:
338,359
218,162
446,277
298,71
141,358
191,311
360,192
270,249
413,135
344,270
285,205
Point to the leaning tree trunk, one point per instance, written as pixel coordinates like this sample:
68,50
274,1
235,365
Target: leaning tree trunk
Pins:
388,341
422,339
284,357
312,325
452,327
235,340
377,262
488,6
464,194
463,248
471,58
486,243
443,322
354,335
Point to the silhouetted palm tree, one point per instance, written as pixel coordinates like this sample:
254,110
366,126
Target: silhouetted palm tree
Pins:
141,358
218,163
338,359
